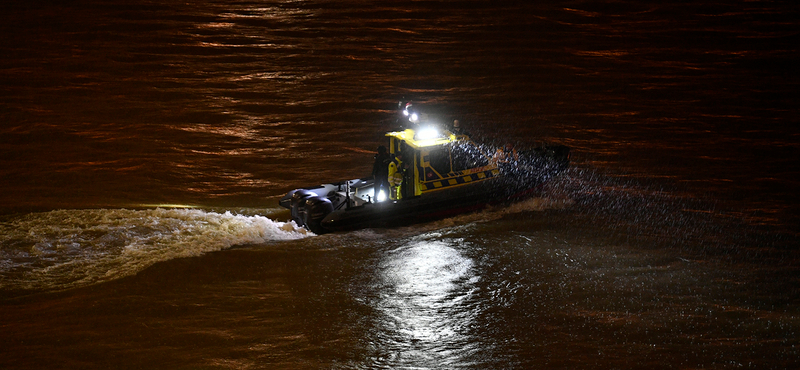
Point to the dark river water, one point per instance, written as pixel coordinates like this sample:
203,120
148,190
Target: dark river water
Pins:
144,145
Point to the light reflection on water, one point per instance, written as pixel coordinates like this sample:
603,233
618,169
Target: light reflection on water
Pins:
426,305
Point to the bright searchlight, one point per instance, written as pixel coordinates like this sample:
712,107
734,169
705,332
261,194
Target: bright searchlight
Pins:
414,117
427,133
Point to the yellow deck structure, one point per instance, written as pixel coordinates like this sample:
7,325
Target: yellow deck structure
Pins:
440,159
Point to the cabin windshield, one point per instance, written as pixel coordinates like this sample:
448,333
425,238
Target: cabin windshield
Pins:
440,160
466,156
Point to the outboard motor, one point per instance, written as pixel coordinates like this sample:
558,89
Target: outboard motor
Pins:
316,208
298,205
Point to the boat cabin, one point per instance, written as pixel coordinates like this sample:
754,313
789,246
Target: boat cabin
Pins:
439,159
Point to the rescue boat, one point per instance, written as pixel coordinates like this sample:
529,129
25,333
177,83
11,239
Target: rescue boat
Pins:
446,174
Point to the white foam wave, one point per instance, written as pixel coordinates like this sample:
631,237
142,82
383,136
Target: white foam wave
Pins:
69,248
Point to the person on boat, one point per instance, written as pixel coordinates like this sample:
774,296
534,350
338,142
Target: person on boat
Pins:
380,172
396,175
507,154
507,159
457,130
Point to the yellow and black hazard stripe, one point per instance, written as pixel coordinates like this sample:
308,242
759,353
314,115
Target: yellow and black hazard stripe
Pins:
453,181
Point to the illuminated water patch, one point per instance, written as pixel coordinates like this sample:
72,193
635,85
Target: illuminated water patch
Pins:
427,308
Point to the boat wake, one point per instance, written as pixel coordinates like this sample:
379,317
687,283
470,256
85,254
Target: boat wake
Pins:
71,248
498,212
465,220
